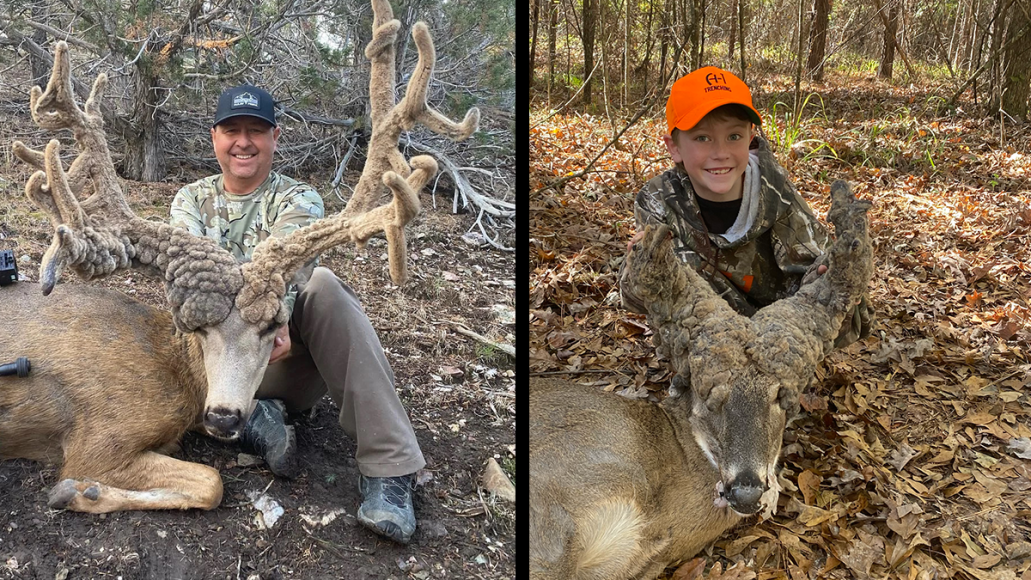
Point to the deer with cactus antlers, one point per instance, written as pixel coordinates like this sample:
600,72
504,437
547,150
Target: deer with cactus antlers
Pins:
115,383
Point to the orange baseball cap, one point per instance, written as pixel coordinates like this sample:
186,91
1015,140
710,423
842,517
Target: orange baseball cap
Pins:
693,96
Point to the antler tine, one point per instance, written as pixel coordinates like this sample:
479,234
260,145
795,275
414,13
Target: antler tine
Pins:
414,107
55,108
694,327
388,120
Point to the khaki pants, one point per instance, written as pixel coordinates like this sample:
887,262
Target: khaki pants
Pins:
334,345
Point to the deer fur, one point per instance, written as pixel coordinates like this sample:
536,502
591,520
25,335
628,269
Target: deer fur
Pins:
622,488
115,382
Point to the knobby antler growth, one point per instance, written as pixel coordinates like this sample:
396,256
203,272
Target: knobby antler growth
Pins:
707,340
203,282
101,234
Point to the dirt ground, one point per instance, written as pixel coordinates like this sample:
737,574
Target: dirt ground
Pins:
460,395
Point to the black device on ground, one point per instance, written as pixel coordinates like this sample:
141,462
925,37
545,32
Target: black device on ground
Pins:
8,268
20,367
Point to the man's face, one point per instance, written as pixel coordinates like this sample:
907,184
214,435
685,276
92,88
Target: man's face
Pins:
715,154
244,147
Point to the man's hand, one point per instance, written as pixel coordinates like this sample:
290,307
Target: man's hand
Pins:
280,344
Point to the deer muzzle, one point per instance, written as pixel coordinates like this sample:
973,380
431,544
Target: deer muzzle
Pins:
744,492
224,424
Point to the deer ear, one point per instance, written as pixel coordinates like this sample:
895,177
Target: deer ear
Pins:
787,398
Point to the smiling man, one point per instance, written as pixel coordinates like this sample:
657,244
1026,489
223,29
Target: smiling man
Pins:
735,215
328,345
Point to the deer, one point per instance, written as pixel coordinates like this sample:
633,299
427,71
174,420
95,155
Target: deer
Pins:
115,383
621,488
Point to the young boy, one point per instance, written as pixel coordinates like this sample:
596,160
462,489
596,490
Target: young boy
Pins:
735,216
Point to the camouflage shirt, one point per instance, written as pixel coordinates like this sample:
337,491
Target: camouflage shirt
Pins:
238,223
772,249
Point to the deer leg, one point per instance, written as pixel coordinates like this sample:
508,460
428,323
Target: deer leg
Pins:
150,482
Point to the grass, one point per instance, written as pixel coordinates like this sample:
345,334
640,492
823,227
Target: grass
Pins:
786,131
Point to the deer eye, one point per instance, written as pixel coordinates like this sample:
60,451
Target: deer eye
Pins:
271,328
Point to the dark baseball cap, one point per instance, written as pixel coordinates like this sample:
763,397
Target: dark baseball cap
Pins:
245,101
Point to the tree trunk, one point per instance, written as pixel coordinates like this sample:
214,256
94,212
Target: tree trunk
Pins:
589,26
888,54
552,33
701,35
670,9
693,29
533,42
998,31
40,68
626,55
1018,65
818,40
733,30
144,156
797,109
646,63
741,35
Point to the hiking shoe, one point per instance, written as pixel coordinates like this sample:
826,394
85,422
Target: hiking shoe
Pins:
268,436
387,506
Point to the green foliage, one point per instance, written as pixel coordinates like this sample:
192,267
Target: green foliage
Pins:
144,8
786,133
489,355
853,63
459,102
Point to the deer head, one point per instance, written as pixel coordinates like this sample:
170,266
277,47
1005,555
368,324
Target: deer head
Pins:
232,310
738,379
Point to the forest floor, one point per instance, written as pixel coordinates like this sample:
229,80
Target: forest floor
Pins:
459,393
910,458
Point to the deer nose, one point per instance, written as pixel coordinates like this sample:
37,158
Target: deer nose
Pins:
744,492
225,422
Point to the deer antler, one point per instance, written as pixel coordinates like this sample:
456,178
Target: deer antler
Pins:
388,120
691,322
705,338
275,260
101,234
798,331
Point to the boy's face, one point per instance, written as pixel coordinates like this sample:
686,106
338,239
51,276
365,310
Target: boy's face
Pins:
715,154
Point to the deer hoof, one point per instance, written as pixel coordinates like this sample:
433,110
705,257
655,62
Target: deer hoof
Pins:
91,493
62,494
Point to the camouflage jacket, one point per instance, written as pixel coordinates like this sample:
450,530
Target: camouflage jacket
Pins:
779,241
238,223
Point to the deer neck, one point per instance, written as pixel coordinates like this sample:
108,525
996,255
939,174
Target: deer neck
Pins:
190,368
677,410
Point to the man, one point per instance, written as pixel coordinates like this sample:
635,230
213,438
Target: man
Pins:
329,343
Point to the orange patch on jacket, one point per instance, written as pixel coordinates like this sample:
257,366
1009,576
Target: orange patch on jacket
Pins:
746,284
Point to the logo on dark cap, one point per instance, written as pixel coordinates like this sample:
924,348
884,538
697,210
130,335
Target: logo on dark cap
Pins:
245,100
